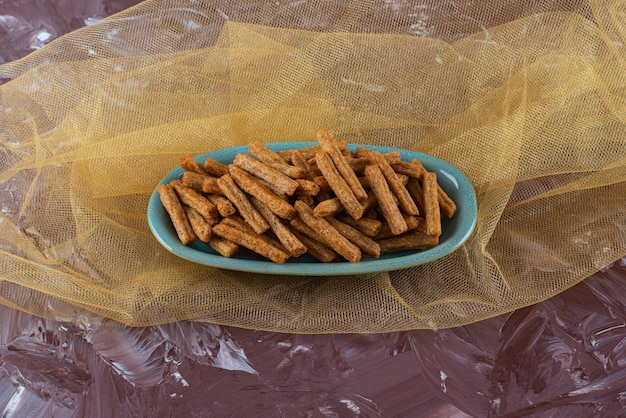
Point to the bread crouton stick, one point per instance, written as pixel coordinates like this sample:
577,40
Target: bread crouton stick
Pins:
331,236
356,237
197,201
413,240
337,183
395,183
327,143
432,213
243,205
262,153
279,180
175,209
292,244
247,183
200,226
386,200
251,242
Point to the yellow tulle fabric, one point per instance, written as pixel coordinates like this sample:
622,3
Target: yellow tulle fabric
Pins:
532,110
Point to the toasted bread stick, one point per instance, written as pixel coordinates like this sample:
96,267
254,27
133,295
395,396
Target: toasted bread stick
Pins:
331,236
243,205
174,208
251,242
339,186
386,200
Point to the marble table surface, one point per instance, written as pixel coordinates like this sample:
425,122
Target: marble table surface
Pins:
564,357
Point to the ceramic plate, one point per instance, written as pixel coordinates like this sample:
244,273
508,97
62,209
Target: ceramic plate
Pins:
455,231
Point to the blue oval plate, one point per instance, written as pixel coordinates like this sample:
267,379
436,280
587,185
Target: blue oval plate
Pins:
455,231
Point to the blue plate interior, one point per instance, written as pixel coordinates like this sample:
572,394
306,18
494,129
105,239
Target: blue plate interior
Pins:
455,231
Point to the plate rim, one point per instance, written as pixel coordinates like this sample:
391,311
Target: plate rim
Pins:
338,268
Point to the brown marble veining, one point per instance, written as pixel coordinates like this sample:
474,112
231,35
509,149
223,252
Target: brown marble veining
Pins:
564,357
